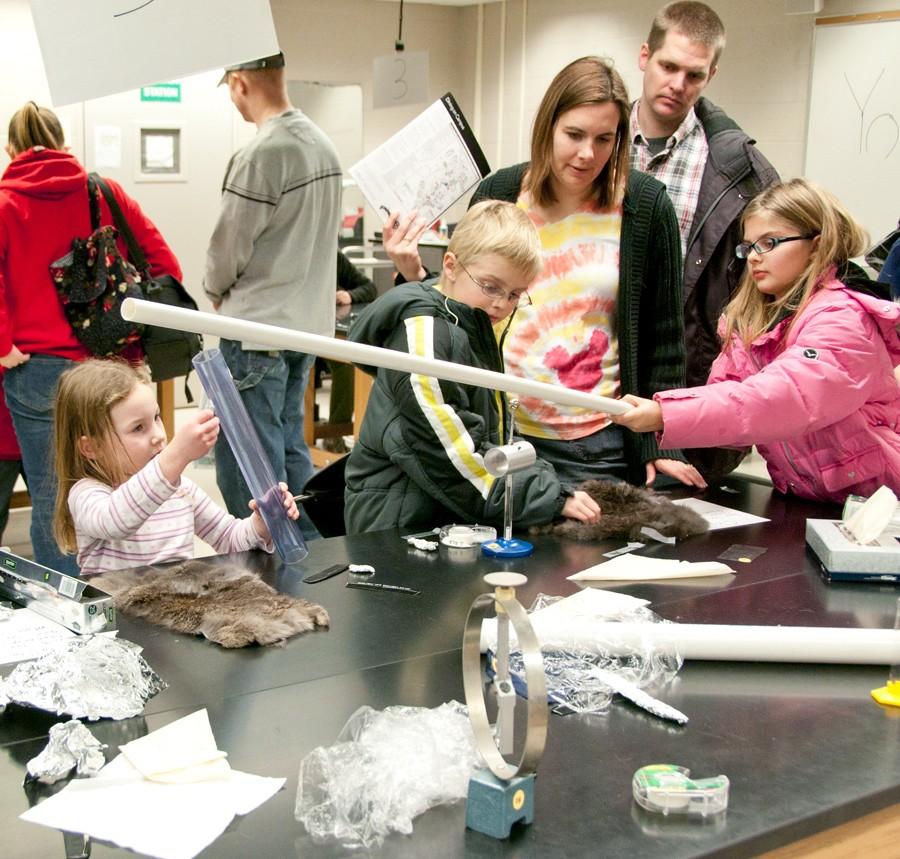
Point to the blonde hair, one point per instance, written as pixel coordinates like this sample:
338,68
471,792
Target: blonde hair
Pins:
589,80
84,397
271,83
812,211
35,126
497,227
695,20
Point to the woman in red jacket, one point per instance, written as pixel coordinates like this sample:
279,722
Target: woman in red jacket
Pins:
43,206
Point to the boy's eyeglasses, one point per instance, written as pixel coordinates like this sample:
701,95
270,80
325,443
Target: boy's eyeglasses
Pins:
763,246
496,293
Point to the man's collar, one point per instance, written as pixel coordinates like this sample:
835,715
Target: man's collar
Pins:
688,124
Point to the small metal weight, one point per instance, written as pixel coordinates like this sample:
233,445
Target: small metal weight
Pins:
507,458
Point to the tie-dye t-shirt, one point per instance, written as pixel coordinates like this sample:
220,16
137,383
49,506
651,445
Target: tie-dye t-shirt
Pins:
568,335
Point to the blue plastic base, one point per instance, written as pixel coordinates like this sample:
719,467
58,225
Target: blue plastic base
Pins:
494,806
507,548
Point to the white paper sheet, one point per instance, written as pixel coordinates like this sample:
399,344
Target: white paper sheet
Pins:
28,635
170,821
717,516
182,751
637,568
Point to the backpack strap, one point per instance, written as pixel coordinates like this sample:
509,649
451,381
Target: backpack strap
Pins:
136,256
93,202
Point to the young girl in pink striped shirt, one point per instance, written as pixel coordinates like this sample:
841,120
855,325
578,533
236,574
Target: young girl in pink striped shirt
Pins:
123,500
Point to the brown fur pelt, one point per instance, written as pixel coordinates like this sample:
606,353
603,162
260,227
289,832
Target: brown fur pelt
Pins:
625,509
226,604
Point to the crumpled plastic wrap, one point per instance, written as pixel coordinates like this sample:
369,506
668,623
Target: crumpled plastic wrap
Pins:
386,768
71,745
90,677
574,684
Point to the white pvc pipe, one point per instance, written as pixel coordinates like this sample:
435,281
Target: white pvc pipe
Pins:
274,337
719,642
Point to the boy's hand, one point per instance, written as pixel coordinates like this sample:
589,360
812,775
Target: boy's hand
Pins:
194,438
290,507
579,505
646,416
400,236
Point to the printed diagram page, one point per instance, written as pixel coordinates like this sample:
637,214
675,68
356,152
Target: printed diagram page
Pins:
427,166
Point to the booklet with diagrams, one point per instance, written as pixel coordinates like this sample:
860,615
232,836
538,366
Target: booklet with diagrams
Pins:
427,166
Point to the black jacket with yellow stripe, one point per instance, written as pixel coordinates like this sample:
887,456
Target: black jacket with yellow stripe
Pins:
418,462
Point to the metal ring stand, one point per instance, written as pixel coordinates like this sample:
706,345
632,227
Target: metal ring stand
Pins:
536,732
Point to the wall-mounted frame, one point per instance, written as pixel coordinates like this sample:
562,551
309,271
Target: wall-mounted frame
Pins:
160,155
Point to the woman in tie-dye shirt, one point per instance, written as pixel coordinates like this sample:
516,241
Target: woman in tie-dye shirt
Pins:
606,316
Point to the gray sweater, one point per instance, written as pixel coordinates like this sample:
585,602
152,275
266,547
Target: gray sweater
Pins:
272,256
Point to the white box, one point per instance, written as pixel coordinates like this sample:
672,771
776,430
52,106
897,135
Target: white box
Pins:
840,554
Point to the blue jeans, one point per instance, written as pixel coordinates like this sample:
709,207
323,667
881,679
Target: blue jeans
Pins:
272,386
594,457
30,393
10,469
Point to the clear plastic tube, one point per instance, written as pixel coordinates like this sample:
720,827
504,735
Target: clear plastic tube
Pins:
216,379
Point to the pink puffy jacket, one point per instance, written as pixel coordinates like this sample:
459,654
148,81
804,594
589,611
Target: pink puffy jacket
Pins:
819,398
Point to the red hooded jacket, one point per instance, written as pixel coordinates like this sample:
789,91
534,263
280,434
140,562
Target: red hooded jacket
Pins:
43,206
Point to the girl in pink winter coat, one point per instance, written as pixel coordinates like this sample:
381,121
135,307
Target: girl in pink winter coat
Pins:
807,368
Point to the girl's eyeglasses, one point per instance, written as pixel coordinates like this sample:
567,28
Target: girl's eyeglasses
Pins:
496,293
764,245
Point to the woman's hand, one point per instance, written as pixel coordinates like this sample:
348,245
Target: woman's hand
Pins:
290,507
400,236
646,416
683,471
579,505
343,297
13,358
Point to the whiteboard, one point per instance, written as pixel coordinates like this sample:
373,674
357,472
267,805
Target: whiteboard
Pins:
97,48
853,136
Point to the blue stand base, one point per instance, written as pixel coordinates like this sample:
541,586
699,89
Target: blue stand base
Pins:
507,548
494,805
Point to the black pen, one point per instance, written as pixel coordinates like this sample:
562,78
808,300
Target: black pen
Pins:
379,586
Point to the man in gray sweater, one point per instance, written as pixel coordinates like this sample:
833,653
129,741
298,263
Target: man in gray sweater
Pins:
272,259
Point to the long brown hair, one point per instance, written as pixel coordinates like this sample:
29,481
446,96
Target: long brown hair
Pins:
84,397
588,80
35,126
812,211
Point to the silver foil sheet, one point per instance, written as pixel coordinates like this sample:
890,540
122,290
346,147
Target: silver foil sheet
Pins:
92,677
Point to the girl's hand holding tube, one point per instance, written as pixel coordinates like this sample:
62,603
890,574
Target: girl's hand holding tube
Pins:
193,439
290,507
646,416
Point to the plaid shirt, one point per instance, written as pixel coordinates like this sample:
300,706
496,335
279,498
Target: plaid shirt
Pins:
679,166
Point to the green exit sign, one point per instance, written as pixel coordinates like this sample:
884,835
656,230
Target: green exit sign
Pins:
161,92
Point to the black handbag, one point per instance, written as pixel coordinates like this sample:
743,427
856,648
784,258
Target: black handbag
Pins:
168,351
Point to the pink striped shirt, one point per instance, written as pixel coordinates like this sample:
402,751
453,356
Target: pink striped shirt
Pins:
148,520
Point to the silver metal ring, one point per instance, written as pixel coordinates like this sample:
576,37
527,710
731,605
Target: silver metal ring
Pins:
536,732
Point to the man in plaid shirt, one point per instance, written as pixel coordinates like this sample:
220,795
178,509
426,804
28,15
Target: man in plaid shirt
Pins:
709,166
